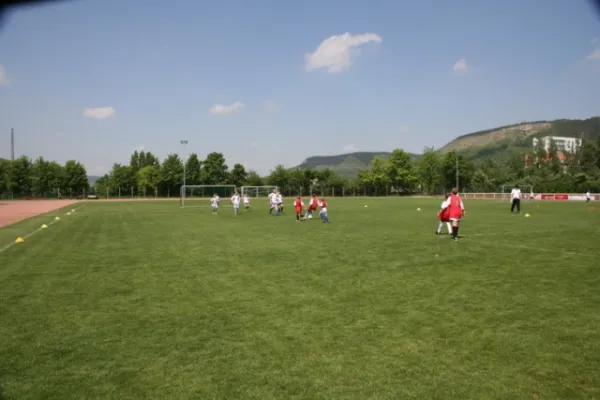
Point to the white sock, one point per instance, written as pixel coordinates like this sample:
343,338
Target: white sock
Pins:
439,228
449,227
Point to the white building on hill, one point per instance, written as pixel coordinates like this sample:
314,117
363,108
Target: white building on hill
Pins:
563,144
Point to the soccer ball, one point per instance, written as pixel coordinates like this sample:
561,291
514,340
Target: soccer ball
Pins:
309,217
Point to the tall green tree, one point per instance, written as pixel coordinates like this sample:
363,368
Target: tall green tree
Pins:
20,176
430,171
148,179
172,175
238,175
254,179
401,171
75,177
279,177
193,170
214,169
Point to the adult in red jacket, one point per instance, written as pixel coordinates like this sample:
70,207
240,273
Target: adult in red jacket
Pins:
456,210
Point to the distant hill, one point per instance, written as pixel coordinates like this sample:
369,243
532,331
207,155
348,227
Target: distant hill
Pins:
524,133
345,165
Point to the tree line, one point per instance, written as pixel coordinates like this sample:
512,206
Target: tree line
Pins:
399,173
24,177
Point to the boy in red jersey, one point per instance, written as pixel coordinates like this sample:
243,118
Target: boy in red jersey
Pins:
312,206
298,205
323,213
443,216
456,210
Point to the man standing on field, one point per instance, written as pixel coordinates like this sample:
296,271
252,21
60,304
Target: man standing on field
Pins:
456,210
515,196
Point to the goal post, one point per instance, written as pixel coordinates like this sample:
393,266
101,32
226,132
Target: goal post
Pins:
199,195
257,191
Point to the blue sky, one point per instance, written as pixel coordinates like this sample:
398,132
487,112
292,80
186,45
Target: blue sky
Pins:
161,68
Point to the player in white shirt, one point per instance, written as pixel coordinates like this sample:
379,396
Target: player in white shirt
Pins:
279,201
272,200
444,217
515,196
246,202
214,203
235,201
588,197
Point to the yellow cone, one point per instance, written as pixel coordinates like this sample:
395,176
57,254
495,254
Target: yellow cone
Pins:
73,210
527,215
44,226
19,240
57,218
68,213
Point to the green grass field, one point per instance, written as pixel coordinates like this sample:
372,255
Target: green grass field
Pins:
143,300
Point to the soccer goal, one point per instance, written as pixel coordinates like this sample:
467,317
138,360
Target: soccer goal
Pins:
257,191
200,195
526,190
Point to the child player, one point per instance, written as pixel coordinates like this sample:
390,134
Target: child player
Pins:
279,201
214,203
323,212
312,206
235,201
444,216
246,202
298,206
272,200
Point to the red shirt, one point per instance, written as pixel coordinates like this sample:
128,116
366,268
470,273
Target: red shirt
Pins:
298,204
455,208
323,204
314,203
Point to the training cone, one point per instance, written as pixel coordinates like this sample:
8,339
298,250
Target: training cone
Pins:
418,209
366,206
57,218
72,210
68,213
19,240
44,226
526,215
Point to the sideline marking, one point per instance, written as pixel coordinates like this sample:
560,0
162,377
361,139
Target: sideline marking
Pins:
30,234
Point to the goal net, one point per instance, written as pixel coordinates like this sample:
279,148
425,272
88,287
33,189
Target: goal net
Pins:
526,190
200,195
257,191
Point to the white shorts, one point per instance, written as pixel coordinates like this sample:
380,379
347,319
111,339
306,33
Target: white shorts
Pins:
215,206
246,204
236,205
273,204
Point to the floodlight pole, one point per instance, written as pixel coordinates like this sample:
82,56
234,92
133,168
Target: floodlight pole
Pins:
181,193
184,143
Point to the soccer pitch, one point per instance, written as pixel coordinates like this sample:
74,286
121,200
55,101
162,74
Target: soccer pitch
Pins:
144,300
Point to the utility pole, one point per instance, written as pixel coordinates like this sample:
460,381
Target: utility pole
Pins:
12,144
457,187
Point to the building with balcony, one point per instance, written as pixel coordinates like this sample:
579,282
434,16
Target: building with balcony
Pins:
563,144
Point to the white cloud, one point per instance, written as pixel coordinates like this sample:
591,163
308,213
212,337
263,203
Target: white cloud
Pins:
99,113
461,66
349,148
594,55
337,52
224,109
270,106
3,76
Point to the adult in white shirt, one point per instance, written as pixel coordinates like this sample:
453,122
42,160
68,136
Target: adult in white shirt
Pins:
515,196
272,200
588,197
